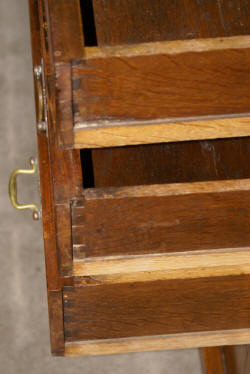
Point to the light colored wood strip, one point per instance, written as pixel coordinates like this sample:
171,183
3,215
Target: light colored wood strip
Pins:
141,268
172,189
180,341
169,47
142,133
191,273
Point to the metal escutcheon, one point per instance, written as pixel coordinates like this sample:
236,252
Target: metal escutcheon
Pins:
13,190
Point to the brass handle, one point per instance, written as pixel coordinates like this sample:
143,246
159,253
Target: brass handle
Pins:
41,123
13,189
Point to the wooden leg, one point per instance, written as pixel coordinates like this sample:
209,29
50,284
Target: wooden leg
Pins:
226,360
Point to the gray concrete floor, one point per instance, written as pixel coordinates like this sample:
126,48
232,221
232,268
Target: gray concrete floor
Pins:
24,343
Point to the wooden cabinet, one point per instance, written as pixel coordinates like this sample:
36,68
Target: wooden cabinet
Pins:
144,163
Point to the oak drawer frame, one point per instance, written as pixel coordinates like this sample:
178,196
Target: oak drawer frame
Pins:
57,200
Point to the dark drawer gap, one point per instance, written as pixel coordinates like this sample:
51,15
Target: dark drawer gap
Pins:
87,168
88,22
181,162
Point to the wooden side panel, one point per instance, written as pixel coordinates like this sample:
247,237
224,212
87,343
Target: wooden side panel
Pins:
156,308
160,219
66,32
55,304
65,166
54,281
120,22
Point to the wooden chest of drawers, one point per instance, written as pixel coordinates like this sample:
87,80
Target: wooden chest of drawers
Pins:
143,124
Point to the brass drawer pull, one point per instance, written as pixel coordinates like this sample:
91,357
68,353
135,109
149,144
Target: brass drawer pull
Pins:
41,109
13,190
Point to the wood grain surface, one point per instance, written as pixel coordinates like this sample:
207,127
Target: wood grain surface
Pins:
213,360
53,276
161,219
64,166
172,162
121,135
154,267
182,87
156,308
152,343
120,22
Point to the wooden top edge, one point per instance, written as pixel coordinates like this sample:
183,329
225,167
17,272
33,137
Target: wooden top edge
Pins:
159,256
79,125
173,189
168,47
153,337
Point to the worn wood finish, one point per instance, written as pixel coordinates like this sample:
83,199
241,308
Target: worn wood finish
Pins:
66,35
156,308
55,305
65,41
173,162
179,341
63,236
167,47
187,87
160,133
54,280
161,219
154,267
168,20
65,166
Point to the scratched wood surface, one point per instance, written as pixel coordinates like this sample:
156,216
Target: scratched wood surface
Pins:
120,22
167,87
158,219
156,308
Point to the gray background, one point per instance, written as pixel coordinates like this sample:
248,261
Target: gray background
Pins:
24,343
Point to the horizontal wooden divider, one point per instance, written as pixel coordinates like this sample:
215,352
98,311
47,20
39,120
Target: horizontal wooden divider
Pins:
162,92
153,343
154,267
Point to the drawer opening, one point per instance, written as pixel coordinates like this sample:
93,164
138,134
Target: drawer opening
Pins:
88,22
180,162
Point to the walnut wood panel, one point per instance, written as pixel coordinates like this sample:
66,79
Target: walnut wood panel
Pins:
173,162
63,28
120,22
167,88
55,304
156,308
160,219
54,281
65,166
